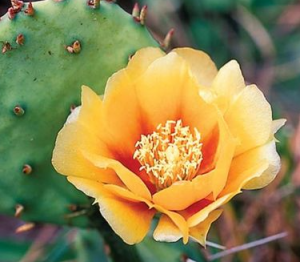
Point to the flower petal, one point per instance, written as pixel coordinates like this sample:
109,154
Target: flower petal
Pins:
253,169
126,194
68,159
178,220
209,150
166,230
258,156
244,177
83,133
160,89
131,180
201,65
227,144
130,220
171,197
199,232
121,107
250,119
141,60
122,113
91,114
198,217
277,124
196,112
229,80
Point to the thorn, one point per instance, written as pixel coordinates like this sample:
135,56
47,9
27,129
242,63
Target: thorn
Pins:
19,111
76,214
143,14
16,8
17,5
19,210
74,48
27,169
136,12
30,10
6,47
183,258
20,39
73,207
166,42
24,228
69,49
130,56
94,3
72,107
11,13
107,250
78,207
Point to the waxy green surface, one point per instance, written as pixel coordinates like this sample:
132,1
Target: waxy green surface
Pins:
44,79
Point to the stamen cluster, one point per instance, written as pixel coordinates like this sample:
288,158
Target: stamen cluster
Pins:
171,153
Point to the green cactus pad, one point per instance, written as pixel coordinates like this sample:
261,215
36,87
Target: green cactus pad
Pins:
40,79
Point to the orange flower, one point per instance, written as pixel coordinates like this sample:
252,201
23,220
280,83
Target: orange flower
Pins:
172,135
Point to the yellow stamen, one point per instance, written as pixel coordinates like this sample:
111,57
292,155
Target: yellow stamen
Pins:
171,153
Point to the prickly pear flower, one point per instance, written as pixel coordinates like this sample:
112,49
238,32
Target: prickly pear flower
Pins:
172,136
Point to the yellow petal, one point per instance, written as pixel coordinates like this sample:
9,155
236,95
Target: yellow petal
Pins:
160,89
208,94
210,145
242,178
255,156
195,111
249,119
131,180
121,112
199,232
229,80
126,194
141,60
178,220
166,230
253,169
201,215
90,187
277,124
130,220
227,144
183,194
121,107
91,115
68,159
202,67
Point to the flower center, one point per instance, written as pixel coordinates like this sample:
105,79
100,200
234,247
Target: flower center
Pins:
171,153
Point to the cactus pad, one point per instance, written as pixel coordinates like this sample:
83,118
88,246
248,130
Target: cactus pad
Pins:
48,52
